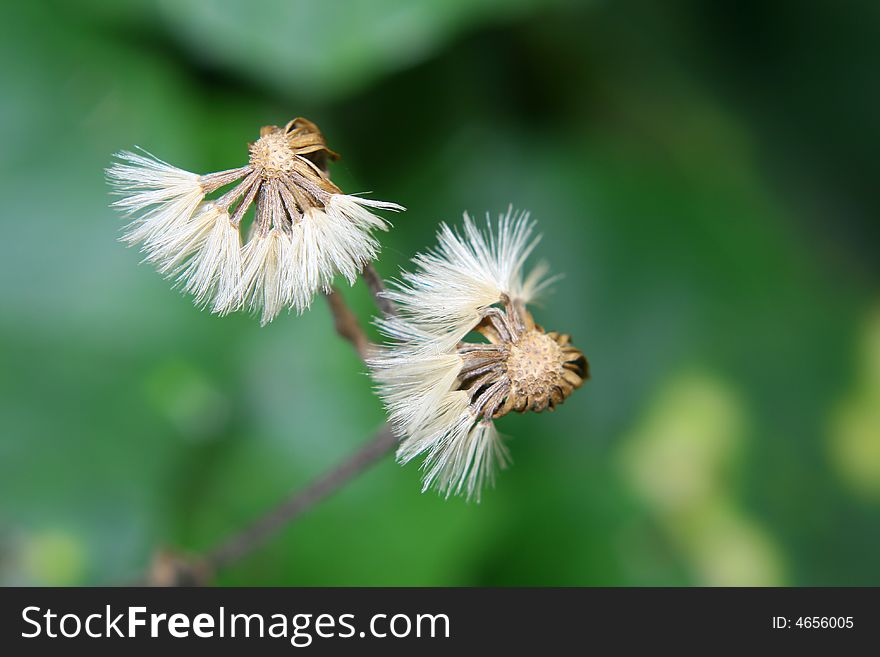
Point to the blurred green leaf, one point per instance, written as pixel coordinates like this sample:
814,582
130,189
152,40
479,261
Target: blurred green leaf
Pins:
326,49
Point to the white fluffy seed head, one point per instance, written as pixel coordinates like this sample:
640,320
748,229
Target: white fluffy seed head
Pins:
418,371
308,230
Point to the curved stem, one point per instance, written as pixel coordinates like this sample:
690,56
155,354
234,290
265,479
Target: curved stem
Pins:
243,543
346,323
377,286
173,569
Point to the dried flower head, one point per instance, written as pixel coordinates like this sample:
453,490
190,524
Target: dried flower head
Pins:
464,350
304,231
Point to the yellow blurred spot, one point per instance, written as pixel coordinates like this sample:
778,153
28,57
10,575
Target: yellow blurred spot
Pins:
53,558
854,439
680,460
678,456
730,549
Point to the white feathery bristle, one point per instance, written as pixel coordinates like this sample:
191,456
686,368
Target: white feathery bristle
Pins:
158,195
450,417
535,283
410,340
350,245
299,271
264,283
465,459
213,274
309,268
171,253
466,273
354,208
332,240
314,234
413,388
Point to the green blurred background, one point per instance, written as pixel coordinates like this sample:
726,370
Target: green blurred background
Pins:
705,178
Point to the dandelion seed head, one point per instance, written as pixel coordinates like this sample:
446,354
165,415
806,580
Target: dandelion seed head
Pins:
464,351
305,230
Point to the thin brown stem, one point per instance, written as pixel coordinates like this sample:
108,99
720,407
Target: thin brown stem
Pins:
377,286
346,323
245,542
175,569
